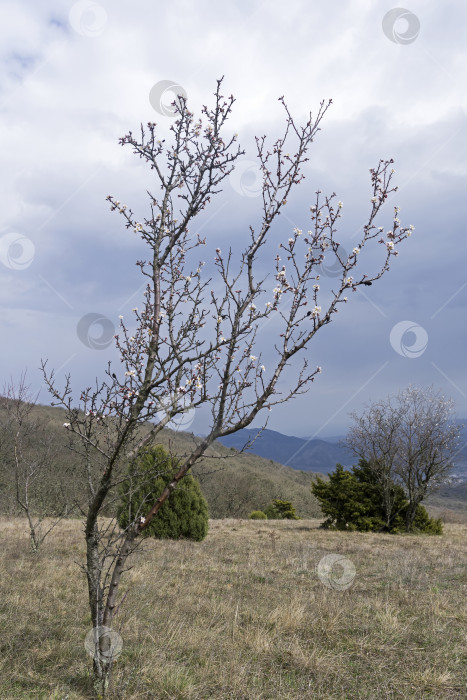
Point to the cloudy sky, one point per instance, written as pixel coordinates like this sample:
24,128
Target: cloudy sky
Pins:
77,76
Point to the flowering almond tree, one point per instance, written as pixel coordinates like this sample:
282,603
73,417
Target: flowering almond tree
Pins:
189,346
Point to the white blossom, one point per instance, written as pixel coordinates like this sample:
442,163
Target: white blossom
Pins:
263,368
340,205
253,357
356,251
66,425
130,373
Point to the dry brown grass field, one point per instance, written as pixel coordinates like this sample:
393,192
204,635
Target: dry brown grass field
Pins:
242,615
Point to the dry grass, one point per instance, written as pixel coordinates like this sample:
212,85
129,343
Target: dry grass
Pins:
243,615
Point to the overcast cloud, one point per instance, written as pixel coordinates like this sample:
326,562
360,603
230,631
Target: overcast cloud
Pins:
77,76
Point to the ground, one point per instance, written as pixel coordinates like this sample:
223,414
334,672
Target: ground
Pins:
243,615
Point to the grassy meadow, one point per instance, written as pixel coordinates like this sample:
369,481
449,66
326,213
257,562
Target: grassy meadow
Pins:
242,615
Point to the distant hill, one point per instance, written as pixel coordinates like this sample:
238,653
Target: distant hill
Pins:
452,496
314,455
317,455
322,456
234,484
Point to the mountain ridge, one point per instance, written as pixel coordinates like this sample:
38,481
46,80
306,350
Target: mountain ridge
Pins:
310,455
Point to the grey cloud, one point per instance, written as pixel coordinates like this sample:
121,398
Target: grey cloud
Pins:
66,98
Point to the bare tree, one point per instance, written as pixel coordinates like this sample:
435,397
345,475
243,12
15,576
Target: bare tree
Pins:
409,438
374,437
39,490
191,346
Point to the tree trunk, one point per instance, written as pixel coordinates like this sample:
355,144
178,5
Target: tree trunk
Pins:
101,667
101,680
410,516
